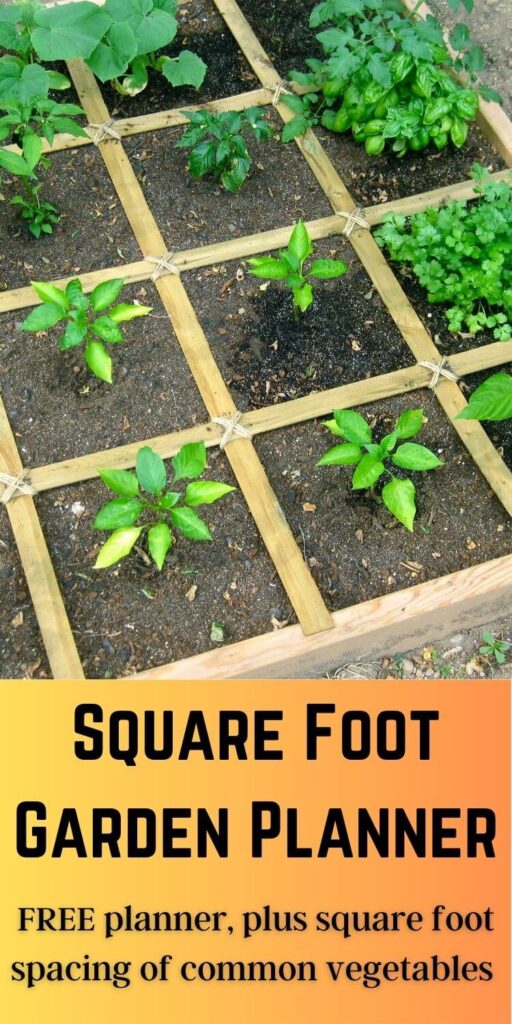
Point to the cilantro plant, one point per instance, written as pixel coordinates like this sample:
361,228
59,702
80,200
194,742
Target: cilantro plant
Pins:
492,400
119,41
28,116
360,450
462,254
387,77
78,312
217,144
290,267
147,505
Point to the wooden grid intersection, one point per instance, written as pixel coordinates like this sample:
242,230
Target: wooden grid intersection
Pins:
319,637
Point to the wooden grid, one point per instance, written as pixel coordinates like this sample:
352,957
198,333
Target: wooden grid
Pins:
319,637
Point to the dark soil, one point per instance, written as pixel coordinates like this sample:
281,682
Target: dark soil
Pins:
132,617
499,432
283,29
22,651
280,189
353,546
203,31
93,231
59,410
267,355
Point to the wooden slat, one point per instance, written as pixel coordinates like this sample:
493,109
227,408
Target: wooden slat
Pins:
436,197
397,622
262,502
37,566
126,127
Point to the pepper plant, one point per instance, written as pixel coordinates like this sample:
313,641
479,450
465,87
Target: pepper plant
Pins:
290,269
217,144
372,460
27,117
147,506
83,327
491,400
462,254
387,76
118,40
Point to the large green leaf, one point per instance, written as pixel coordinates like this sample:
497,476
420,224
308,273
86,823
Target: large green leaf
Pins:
190,524
34,84
327,269
151,472
187,69
341,455
190,461
42,318
69,30
269,268
107,330
73,336
492,400
415,456
48,292
14,164
105,294
409,423
118,546
117,513
121,481
398,497
159,541
136,80
367,472
99,361
111,57
204,492
352,426
300,245
124,312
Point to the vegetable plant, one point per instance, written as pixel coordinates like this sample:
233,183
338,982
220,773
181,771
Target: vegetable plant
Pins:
28,116
16,23
491,400
372,460
217,144
462,254
83,326
119,41
290,269
494,648
387,76
147,506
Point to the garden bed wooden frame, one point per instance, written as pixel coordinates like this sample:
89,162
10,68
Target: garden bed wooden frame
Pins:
393,622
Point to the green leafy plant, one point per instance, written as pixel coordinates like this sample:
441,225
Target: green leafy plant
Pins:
147,505
217,144
388,77
496,649
462,254
83,326
16,23
28,117
118,40
372,460
491,400
289,267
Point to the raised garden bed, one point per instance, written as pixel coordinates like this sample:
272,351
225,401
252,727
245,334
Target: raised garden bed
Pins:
317,573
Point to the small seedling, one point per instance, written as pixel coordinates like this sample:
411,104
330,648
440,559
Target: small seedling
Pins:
146,495
290,267
493,648
78,311
491,400
360,450
218,146
30,116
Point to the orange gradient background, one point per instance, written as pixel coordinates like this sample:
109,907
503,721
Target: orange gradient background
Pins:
469,767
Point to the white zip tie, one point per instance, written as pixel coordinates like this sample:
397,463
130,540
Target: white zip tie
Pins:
438,370
232,428
164,262
104,132
353,218
15,486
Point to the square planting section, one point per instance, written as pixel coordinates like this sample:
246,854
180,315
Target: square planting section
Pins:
354,547
59,410
204,32
280,189
132,616
21,647
269,355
